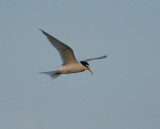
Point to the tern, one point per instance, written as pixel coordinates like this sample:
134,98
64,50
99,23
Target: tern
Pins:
70,64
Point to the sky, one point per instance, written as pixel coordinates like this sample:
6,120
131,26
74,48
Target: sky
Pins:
123,92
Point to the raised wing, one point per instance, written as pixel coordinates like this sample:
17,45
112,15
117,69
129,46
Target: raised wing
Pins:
90,59
65,51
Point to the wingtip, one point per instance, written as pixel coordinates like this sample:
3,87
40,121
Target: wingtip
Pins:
105,56
43,32
40,29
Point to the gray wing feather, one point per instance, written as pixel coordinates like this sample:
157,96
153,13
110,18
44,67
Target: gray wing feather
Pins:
90,59
65,51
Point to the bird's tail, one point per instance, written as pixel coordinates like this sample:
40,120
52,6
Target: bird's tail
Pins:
52,74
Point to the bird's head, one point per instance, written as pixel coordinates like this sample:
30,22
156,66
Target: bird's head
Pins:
86,65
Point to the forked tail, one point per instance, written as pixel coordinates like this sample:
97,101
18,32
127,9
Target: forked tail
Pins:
52,74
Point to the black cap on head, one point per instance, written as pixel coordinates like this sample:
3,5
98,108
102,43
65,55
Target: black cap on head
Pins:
84,63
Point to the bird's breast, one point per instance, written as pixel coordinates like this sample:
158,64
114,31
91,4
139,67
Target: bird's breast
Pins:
72,68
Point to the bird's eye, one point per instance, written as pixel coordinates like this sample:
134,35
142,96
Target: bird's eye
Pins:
87,65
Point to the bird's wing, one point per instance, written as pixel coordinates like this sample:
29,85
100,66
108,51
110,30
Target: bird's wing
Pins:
101,57
65,51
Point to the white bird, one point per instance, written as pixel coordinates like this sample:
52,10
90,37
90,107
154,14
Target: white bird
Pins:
70,64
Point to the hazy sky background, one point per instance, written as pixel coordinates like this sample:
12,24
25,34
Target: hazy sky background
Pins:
123,93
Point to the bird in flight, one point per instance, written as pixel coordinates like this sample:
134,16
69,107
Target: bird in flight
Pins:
70,64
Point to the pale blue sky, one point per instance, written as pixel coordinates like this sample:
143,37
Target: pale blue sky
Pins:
124,91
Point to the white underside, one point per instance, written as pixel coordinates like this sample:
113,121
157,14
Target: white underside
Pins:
72,68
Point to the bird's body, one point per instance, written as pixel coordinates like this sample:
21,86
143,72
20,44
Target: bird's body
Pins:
72,68
70,64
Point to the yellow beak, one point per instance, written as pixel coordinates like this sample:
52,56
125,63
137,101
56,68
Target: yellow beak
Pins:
89,70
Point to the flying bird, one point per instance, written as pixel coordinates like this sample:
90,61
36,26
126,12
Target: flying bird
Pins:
70,64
